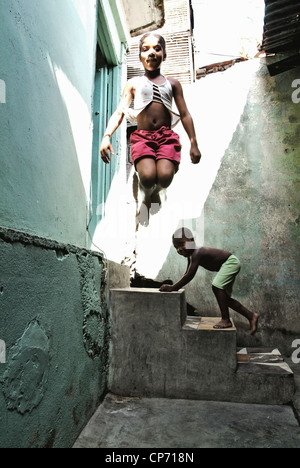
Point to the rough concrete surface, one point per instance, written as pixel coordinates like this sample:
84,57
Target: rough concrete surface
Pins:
170,355
162,423
54,332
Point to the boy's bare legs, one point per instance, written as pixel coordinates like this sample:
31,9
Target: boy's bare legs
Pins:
252,317
165,171
146,169
225,302
154,176
222,299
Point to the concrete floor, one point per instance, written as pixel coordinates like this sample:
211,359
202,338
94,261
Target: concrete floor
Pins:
161,423
136,423
123,423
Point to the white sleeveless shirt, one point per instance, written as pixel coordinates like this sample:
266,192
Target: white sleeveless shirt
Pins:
144,95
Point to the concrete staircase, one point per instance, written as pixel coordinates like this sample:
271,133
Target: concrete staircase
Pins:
158,351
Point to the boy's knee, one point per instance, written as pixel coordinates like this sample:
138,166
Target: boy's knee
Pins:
165,180
147,181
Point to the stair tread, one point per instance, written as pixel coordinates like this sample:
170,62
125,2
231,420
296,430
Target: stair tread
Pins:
172,353
205,323
262,361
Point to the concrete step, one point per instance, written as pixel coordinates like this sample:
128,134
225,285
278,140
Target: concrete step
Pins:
158,351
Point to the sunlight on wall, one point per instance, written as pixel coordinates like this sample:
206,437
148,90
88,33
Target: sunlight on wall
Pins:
88,21
2,352
81,124
2,92
216,104
115,234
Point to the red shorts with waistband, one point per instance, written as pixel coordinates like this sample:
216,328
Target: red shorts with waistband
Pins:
157,144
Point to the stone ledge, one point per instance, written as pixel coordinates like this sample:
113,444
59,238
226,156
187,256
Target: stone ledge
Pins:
206,324
157,351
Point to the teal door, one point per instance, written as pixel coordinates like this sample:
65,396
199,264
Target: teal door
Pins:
106,99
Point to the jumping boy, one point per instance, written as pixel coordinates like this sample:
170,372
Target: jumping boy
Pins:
155,147
227,266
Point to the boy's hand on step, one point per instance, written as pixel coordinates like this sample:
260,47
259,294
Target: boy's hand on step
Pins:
166,288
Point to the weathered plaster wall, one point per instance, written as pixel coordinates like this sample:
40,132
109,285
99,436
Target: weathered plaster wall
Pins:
55,326
242,197
252,205
47,64
253,208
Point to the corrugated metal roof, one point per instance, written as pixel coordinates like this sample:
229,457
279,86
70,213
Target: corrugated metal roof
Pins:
282,26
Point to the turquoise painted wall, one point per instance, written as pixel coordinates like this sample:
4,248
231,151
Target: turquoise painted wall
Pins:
53,292
47,62
54,323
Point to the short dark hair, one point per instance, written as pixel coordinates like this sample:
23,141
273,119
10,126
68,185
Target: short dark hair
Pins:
183,233
161,40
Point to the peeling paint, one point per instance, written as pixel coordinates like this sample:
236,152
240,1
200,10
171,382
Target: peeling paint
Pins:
25,380
61,255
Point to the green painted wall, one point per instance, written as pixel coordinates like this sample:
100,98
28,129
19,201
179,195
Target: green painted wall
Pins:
47,62
53,293
54,322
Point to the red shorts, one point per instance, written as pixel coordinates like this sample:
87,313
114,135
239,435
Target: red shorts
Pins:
158,144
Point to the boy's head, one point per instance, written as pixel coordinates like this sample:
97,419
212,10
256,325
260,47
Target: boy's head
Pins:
152,50
184,242
161,41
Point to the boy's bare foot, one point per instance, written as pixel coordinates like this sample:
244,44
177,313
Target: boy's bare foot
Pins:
254,324
223,324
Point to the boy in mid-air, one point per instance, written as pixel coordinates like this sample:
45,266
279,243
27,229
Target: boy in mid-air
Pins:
227,266
155,147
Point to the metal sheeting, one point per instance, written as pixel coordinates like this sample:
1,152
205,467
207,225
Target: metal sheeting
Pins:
282,26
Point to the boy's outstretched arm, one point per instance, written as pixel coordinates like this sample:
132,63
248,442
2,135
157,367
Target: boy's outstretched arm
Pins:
114,122
187,278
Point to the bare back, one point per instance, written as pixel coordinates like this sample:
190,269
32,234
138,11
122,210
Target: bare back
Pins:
210,258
